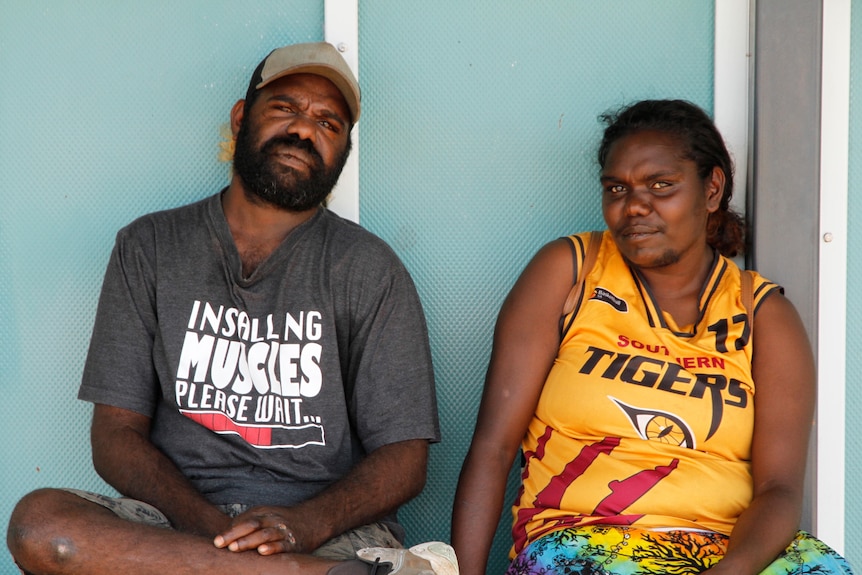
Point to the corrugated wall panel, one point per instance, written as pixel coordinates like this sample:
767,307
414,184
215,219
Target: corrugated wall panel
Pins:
478,146
853,438
108,110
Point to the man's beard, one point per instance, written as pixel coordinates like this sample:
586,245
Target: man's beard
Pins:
282,186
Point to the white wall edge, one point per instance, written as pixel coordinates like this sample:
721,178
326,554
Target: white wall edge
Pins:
731,81
834,144
341,29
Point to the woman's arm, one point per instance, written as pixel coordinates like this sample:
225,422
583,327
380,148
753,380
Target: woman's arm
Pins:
785,380
526,341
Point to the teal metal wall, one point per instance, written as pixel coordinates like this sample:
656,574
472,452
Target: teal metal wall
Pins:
477,146
853,445
479,133
108,110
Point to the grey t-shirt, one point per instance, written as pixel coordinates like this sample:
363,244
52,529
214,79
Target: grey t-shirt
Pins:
262,390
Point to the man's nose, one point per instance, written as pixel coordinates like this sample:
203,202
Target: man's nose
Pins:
303,127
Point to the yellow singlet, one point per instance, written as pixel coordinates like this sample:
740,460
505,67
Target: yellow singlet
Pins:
643,422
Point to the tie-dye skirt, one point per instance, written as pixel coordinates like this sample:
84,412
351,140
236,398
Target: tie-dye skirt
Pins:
601,550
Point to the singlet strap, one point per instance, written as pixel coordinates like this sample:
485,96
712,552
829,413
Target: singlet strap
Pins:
748,297
590,256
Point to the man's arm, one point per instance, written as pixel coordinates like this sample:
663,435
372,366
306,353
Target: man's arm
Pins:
387,478
124,457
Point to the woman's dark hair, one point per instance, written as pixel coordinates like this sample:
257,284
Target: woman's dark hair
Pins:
701,143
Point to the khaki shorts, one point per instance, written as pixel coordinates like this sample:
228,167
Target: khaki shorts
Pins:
340,548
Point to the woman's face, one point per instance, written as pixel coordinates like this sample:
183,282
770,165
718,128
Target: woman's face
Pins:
653,201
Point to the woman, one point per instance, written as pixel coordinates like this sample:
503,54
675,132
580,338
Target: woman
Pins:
660,432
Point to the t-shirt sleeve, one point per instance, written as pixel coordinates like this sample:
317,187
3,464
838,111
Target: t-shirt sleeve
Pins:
119,367
392,396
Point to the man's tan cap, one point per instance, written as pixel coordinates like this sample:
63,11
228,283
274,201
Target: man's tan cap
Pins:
320,58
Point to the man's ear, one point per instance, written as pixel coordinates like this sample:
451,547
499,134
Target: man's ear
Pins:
715,189
236,116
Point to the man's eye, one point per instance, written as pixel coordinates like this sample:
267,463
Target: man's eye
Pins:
615,189
660,185
334,126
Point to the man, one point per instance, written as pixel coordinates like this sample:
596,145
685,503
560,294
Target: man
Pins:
259,367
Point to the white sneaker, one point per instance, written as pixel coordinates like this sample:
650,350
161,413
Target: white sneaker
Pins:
432,558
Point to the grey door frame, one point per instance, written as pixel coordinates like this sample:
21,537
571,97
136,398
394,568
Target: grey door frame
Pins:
797,208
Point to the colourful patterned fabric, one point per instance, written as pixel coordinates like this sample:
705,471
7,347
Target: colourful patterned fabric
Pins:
611,550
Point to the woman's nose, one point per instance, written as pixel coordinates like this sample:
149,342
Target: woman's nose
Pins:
638,203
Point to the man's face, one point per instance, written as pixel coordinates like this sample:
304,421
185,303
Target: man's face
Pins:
293,142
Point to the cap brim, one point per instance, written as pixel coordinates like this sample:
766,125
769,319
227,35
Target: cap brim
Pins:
334,75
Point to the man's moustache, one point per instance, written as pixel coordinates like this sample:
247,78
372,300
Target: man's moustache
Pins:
293,141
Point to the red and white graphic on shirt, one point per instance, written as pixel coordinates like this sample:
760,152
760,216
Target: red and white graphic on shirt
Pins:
249,377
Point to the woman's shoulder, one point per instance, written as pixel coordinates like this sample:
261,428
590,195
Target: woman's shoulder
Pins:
753,286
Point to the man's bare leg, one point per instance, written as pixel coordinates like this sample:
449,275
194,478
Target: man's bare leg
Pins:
54,532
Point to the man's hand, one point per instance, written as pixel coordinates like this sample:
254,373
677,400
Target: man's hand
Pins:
385,479
270,530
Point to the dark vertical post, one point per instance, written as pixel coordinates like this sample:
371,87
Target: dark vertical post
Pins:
784,181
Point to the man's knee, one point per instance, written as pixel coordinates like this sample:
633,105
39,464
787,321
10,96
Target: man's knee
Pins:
35,532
